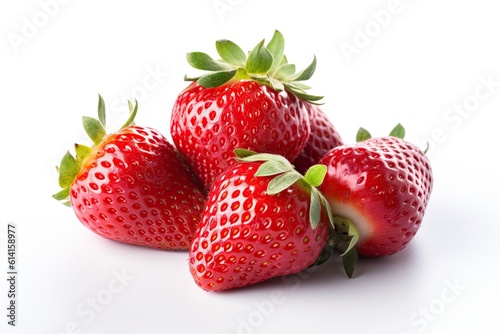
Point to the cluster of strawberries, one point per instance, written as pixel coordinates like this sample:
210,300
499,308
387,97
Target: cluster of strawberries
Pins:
257,184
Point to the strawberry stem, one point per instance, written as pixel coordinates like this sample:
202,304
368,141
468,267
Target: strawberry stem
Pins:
398,131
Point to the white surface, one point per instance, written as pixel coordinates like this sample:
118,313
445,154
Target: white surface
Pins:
429,57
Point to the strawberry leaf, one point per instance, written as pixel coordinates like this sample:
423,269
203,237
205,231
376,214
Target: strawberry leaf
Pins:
242,153
353,233
346,235
130,106
259,60
362,135
426,147
63,194
101,111
315,208
216,79
68,169
328,208
298,86
285,72
203,61
284,61
250,156
276,84
307,73
263,79
82,151
277,48
133,113
231,53
349,260
303,95
398,131
273,167
94,129
315,175
283,181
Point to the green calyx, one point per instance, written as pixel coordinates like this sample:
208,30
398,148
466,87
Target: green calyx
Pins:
398,131
71,164
265,64
285,176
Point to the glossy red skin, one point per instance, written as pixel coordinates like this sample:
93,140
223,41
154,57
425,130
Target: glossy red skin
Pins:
247,236
134,189
383,186
322,138
207,124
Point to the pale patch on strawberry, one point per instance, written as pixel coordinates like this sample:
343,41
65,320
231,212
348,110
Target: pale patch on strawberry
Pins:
354,214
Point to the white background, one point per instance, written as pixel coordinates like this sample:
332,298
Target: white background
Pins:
419,66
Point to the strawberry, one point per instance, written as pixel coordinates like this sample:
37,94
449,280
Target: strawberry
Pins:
382,187
262,219
131,186
323,138
255,102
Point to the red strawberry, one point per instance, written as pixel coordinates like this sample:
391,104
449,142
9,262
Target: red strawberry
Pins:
262,219
131,186
382,186
323,138
254,102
